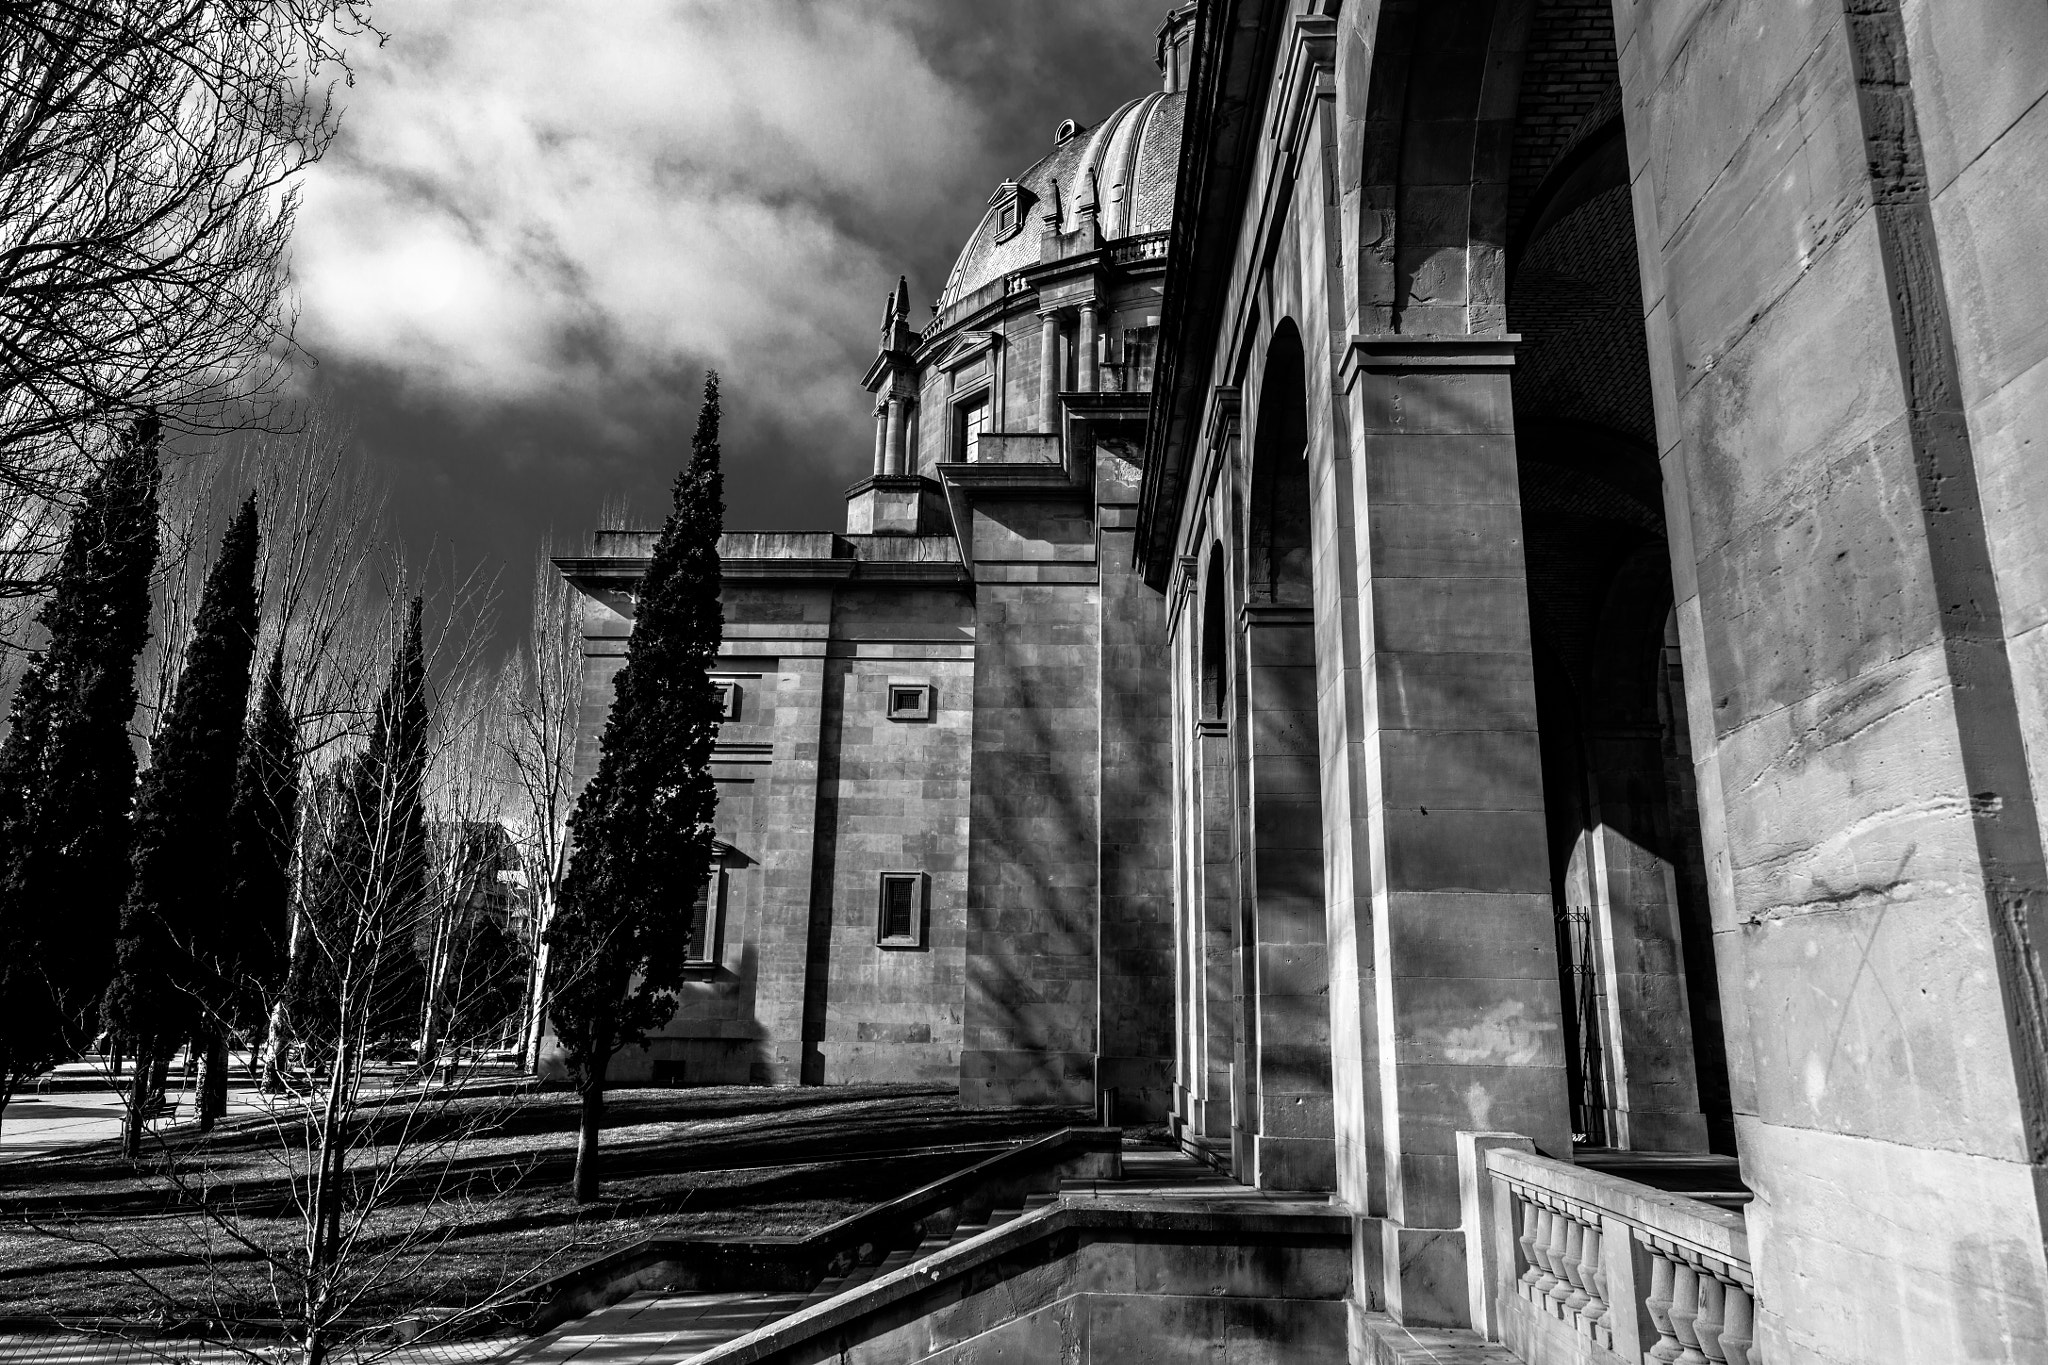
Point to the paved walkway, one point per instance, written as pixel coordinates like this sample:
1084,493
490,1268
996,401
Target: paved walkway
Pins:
36,1125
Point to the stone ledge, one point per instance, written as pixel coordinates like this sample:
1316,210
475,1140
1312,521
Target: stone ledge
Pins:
1382,1341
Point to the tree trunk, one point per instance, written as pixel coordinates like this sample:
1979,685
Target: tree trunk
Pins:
535,1028
213,1082
138,1103
273,1050
586,1140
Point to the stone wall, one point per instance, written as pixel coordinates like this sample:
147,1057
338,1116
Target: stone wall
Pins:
892,797
1858,722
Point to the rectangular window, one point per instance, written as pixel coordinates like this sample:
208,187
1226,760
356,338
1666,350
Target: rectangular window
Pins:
728,699
902,910
707,909
1141,353
910,700
970,420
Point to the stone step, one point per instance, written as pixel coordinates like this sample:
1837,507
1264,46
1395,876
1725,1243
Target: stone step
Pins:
1389,1343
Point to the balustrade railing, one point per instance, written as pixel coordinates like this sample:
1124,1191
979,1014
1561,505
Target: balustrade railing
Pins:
1592,1269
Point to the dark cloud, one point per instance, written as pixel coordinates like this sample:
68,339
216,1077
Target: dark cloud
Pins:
544,220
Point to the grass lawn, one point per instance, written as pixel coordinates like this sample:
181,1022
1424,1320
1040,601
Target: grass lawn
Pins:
89,1234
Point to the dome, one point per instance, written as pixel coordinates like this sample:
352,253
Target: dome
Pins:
1134,154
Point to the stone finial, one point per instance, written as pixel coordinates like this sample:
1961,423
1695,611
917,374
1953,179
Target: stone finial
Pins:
897,334
1086,226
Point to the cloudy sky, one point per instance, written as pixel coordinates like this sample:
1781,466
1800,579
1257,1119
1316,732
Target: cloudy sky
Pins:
545,218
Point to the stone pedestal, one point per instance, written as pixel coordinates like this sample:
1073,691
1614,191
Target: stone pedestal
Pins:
890,504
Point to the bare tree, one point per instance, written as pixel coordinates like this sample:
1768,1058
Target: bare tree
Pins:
149,157
543,684
469,845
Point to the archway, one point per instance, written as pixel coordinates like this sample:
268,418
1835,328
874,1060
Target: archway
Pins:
1641,1004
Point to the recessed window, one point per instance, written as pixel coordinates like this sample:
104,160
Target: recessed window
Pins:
728,699
1006,219
900,919
970,420
707,915
910,701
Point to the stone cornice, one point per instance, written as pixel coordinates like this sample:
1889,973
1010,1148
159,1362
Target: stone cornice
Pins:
1392,351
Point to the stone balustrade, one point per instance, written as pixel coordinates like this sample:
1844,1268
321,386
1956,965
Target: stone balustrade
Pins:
1590,1269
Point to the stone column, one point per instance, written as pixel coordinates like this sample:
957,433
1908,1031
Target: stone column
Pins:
1217,1043
1465,964
1048,372
1288,957
881,438
1085,345
898,420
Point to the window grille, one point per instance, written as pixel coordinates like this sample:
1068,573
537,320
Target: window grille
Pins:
910,701
901,917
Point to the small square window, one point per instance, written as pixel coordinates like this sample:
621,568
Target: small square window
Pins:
1006,218
707,916
900,920
910,701
728,699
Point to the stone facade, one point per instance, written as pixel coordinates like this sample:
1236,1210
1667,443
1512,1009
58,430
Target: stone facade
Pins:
1505,604
989,568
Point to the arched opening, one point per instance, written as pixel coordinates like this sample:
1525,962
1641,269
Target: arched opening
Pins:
1285,1126
1646,1058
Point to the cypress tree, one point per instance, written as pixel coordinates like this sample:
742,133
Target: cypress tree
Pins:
263,825
171,965
29,1039
73,769
394,772
642,832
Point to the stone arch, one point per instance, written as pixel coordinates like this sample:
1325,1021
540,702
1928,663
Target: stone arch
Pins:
1278,572
1434,165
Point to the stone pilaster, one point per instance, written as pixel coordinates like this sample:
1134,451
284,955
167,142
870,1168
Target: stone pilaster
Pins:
1465,996
1287,953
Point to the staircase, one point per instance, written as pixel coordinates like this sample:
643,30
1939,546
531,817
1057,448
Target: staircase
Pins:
1217,1260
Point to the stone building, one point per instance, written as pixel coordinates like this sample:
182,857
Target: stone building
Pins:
1465,580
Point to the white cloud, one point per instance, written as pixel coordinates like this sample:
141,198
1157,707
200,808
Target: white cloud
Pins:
560,203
